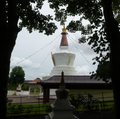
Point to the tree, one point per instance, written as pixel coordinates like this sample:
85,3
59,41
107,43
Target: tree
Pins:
14,15
102,33
113,35
17,76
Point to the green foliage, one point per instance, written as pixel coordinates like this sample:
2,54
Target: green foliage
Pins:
25,87
31,17
116,9
17,76
27,109
103,71
27,13
90,103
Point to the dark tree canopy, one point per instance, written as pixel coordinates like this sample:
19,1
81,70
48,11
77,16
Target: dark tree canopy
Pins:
28,12
17,76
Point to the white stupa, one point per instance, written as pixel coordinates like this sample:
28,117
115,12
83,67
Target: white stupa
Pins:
63,59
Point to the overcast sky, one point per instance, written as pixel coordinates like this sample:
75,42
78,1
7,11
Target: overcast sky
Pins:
33,52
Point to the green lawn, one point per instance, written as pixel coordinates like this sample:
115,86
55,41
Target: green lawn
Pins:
27,109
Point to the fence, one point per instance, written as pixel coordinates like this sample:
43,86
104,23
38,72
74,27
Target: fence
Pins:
32,105
92,102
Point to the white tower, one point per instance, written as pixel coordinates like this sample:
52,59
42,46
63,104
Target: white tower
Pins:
63,60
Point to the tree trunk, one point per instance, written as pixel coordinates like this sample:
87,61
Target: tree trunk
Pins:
4,71
6,47
8,35
113,36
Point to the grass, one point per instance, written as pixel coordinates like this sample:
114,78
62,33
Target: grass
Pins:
27,109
